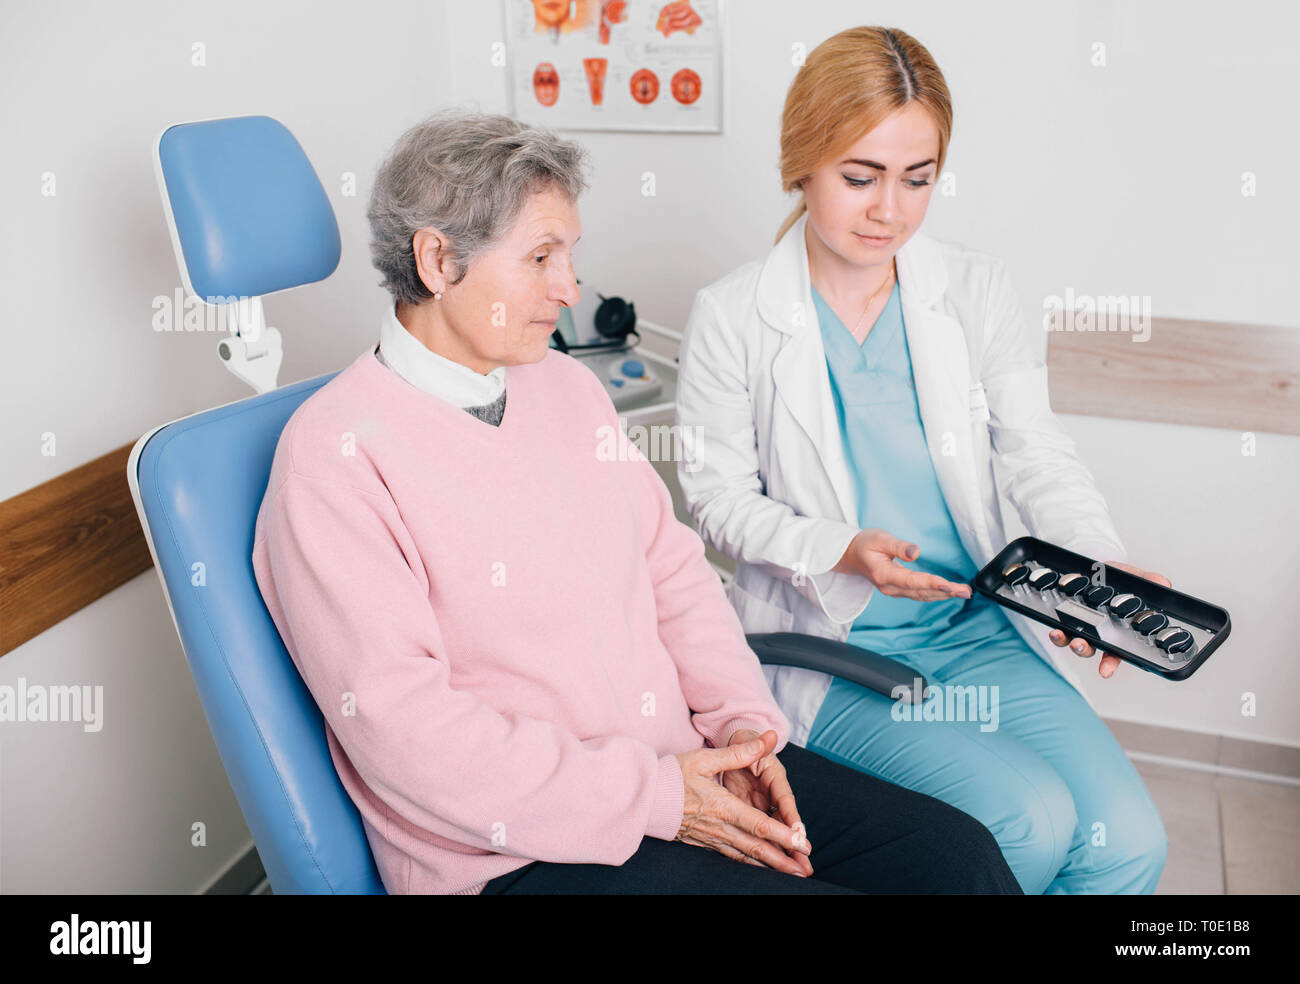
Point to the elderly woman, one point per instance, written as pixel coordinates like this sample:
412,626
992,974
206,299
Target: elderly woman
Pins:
530,676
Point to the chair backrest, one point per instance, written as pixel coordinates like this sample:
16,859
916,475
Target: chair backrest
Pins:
248,217
199,483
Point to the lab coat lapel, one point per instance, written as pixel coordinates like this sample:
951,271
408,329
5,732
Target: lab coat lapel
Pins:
941,371
799,370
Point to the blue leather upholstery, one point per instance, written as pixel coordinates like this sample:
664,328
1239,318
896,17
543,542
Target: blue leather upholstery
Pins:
201,482
251,215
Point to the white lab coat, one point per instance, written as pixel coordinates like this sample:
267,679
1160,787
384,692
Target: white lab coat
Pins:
766,479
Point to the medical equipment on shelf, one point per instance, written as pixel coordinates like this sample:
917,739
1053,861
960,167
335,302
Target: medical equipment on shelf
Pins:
1157,628
596,331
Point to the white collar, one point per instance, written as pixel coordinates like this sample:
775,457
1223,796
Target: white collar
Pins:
423,368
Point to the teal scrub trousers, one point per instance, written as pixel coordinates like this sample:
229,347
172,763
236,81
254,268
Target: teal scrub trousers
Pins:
1022,752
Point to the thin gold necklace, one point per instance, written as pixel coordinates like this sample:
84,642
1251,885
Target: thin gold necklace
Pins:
888,280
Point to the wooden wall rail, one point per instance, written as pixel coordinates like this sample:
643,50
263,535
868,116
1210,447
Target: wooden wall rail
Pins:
75,538
1203,373
65,543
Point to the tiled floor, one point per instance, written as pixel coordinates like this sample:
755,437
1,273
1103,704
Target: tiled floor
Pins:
1259,823
1226,835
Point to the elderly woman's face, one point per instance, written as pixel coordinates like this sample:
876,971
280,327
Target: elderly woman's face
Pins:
508,303
876,189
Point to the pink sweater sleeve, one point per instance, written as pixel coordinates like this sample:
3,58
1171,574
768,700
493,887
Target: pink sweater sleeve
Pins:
721,677
353,608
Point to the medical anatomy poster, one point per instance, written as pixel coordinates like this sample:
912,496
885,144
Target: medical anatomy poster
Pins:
616,64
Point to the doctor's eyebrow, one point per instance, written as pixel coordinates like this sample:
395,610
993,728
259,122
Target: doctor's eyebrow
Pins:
881,167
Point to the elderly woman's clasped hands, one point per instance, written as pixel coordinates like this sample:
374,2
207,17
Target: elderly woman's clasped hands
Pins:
735,818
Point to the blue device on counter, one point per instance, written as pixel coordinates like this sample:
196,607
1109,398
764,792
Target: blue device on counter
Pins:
597,331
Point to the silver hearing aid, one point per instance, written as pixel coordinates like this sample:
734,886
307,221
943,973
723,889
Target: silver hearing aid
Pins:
1174,639
1125,605
1042,578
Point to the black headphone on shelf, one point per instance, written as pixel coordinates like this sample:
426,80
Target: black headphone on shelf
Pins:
615,320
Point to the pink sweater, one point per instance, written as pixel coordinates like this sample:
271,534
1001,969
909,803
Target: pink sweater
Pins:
509,635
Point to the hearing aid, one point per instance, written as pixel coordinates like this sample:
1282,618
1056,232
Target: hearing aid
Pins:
1149,621
1015,574
1071,584
1174,640
1098,595
1125,605
1042,578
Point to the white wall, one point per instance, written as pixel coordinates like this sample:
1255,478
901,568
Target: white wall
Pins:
1116,180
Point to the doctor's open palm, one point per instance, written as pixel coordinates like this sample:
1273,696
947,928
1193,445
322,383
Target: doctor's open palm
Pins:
875,554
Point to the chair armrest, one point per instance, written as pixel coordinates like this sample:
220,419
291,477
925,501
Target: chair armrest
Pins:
841,659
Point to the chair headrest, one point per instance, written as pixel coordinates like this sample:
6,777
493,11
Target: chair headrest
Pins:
247,212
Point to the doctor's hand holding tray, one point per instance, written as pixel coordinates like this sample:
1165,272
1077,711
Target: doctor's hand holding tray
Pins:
852,390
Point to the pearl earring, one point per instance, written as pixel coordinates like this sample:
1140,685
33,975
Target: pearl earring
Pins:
437,297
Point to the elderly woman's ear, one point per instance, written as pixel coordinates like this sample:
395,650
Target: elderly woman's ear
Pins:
433,259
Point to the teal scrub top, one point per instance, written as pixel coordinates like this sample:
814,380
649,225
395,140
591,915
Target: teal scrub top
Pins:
897,490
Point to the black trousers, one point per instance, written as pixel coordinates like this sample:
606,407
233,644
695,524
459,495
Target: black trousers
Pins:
869,837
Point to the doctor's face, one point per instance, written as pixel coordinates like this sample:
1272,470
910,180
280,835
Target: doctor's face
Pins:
880,187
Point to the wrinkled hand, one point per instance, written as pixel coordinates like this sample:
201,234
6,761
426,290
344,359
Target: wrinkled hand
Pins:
1108,663
714,817
874,554
765,786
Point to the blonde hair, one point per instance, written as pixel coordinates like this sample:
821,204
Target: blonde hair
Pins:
849,84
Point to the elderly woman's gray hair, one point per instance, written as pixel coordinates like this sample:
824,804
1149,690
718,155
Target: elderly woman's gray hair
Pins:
468,175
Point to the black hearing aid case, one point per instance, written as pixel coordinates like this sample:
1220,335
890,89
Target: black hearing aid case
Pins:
1207,624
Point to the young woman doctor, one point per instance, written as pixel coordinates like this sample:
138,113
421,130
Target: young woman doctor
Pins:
852,392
